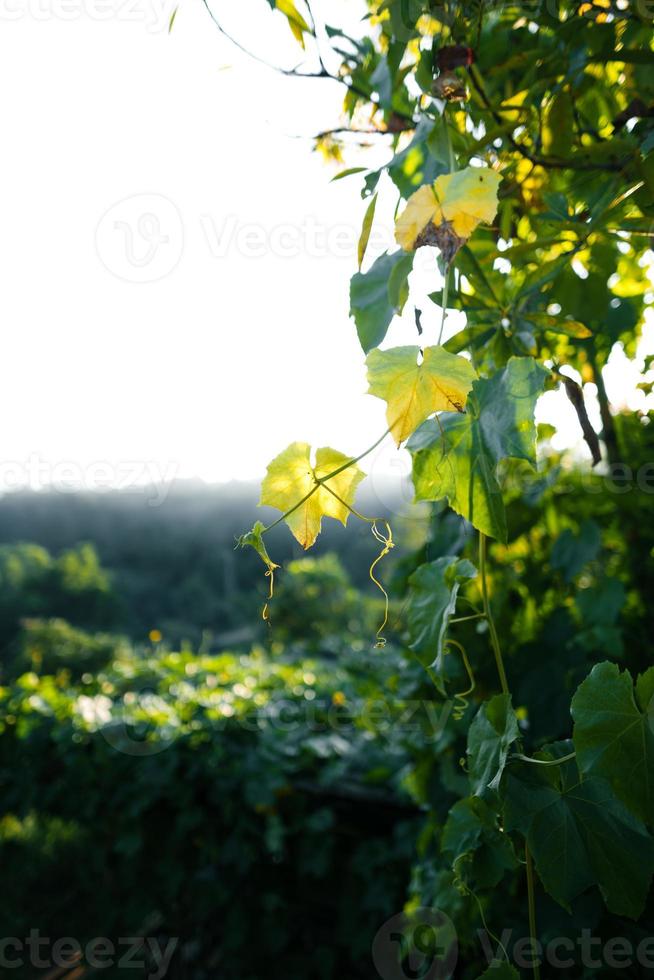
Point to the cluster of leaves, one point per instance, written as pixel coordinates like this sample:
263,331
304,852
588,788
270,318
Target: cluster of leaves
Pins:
194,791
557,103
304,789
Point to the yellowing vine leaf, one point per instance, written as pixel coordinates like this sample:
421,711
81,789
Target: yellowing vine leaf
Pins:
296,21
292,486
414,391
447,212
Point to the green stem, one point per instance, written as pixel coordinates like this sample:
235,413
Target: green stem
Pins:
531,890
544,762
495,643
444,299
505,690
448,140
323,479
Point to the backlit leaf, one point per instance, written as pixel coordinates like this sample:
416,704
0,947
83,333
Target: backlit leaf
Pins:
461,200
254,539
456,456
296,21
289,483
413,391
559,324
368,219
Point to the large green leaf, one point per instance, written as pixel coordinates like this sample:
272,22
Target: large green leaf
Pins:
613,734
433,589
580,835
456,456
371,303
491,734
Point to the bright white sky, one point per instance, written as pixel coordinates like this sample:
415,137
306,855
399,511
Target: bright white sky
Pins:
132,155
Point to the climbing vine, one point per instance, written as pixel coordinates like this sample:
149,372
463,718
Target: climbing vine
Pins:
521,150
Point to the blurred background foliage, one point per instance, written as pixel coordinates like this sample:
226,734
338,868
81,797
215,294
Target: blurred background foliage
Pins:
293,785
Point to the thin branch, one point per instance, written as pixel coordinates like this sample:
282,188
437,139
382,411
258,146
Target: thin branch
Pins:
296,73
290,72
349,129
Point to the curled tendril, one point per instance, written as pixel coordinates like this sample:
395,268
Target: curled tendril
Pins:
461,699
385,538
254,539
270,574
381,532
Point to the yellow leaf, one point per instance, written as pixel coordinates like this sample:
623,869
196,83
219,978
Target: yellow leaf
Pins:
415,391
289,483
422,209
365,231
461,200
296,21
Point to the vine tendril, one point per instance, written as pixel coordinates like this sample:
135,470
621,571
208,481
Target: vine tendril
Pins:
385,539
461,699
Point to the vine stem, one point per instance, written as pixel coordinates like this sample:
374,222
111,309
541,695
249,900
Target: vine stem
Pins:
543,762
444,299
505,690
531,892
446,285
495,643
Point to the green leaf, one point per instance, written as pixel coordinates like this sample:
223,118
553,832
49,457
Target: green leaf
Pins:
348,173
456,456
254,539
491,734
416,164
368,219
500,971
559,324
370,303
433,589
398,284
480,852
558,125
579,835
613,734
